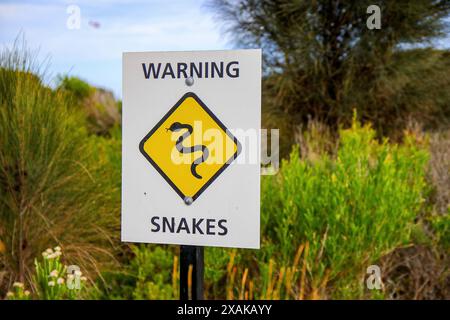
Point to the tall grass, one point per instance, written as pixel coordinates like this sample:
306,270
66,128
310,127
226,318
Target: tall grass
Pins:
51,190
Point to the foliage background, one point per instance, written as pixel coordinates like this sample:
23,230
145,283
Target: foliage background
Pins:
364,122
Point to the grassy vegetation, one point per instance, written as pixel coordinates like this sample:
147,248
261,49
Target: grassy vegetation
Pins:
339,204
54,185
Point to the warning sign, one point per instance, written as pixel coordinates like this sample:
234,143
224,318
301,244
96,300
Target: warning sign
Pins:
190,147
191,151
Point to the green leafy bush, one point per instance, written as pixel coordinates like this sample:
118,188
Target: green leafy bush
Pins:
78,88
350,210
102,111
441,226
151,273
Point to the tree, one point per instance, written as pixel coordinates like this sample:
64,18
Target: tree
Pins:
322,61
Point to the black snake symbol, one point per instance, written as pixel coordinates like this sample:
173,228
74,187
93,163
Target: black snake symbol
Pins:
176,126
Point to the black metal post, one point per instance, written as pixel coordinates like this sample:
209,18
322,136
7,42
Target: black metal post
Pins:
191,255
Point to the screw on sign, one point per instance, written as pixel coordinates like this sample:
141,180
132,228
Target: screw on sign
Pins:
187,173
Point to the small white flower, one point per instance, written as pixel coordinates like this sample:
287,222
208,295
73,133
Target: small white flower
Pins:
60,281
49,251
54,273
57,248
83,278
78,273
53,255
44,254
27,293
9,294
51,283
18,285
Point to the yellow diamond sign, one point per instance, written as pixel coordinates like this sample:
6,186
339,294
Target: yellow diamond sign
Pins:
190,147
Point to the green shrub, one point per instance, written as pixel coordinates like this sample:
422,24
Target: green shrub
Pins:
350,210
78,88
101,109
441,227
151,273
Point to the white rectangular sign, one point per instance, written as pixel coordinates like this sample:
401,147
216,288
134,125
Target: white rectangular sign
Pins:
190,155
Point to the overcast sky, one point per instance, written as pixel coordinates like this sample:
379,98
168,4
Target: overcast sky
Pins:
108,27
